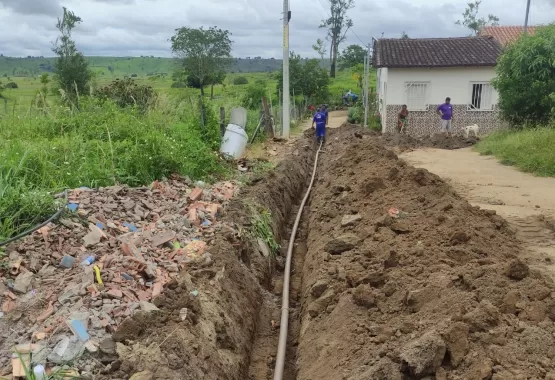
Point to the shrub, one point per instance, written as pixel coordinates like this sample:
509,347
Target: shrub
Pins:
134,75
253,96
11,85
126,93
240,81
525,78
178,85
355,115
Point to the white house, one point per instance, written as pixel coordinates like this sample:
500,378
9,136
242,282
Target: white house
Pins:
421,73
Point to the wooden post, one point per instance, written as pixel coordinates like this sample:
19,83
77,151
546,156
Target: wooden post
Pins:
201,112
222,121
267,118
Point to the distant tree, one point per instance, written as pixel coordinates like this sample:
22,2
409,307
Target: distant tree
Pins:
320,48
473,22
338,24
352,56
134,75
404,36
71,68
217,78
525,78
204,53
307,78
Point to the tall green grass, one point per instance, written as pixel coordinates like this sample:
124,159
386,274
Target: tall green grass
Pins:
530,150
101,145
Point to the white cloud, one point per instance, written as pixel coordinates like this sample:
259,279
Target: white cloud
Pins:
143,27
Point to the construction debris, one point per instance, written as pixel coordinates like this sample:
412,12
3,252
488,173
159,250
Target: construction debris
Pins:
129,243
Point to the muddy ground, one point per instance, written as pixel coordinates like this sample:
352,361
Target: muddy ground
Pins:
435,291
437,140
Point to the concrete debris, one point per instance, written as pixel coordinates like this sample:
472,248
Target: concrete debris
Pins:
130,243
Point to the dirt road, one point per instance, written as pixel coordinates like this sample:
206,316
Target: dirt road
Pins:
525,201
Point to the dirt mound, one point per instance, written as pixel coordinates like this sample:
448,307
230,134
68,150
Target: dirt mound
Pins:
437,140
413,282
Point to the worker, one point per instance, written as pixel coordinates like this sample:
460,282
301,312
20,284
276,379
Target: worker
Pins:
319,123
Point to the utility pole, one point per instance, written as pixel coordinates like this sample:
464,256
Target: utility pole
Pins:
526,19
366,83
286,123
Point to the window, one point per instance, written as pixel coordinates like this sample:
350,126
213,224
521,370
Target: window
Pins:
416,94
481,94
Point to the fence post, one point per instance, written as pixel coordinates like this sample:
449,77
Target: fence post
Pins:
267,118
222,121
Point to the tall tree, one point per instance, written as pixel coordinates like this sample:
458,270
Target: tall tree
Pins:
352,56
204,53
473,22
320,48
307,78
72,74
338,24
404,36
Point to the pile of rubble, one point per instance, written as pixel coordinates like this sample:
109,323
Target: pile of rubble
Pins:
67,287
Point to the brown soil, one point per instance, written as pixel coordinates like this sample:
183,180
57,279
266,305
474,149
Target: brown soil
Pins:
437,140
216,339
437,293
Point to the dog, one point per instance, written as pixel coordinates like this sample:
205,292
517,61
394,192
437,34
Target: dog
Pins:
471,128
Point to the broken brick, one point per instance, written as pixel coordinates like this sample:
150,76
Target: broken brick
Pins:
115,293
196,194
156,289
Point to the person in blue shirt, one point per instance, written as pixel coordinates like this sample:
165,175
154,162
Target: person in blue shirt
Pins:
319,122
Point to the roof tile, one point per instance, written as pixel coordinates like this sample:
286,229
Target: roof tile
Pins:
505,34
436,52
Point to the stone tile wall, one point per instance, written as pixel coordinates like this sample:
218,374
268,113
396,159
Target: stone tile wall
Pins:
421,123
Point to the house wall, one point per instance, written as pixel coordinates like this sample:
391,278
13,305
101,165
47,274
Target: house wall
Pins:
381,84
442,83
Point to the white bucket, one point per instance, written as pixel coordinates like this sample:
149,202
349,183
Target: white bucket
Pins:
238,116
234,141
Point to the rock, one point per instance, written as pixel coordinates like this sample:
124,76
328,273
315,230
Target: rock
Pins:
424,355
459,237
22,283
144,375
147,306
364,296
517,270
372,185
483,317
400,227
456,338
483,370
392,261
509,301
67,350
163,238
384,221
349,220
341,244
108,346
114,293
416,299
263,247
93,237
318,288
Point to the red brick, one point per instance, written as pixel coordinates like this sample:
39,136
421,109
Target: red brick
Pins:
196,194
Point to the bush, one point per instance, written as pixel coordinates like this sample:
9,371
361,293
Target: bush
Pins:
240,81
134,75
178,85
126,93
525,78
355,115
253,96
11,85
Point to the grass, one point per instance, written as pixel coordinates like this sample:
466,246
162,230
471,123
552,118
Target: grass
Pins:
530,150
262,229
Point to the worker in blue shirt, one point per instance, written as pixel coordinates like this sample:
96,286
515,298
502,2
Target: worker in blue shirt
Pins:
319,122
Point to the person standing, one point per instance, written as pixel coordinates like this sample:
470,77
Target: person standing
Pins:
319,122
445,111
402,119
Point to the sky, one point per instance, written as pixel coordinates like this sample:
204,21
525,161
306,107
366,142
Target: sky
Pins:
143,27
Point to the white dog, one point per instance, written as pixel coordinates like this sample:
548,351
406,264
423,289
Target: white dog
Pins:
471,128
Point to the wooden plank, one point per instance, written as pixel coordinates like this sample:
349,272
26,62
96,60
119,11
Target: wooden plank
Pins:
267,118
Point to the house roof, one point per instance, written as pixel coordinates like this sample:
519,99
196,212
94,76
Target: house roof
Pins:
505,34
436,52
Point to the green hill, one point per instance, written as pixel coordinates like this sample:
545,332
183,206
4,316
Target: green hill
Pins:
120,66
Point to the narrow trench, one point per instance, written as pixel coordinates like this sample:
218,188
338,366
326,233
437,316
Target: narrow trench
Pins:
263,357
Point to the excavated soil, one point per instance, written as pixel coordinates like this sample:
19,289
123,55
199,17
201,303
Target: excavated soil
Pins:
216,338
437,140
403,279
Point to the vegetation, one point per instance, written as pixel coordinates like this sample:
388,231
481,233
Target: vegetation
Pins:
404,36
204,54
320,48
525,79
307,79
338,24
240,81
71,68
472,21
530,150
352,55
